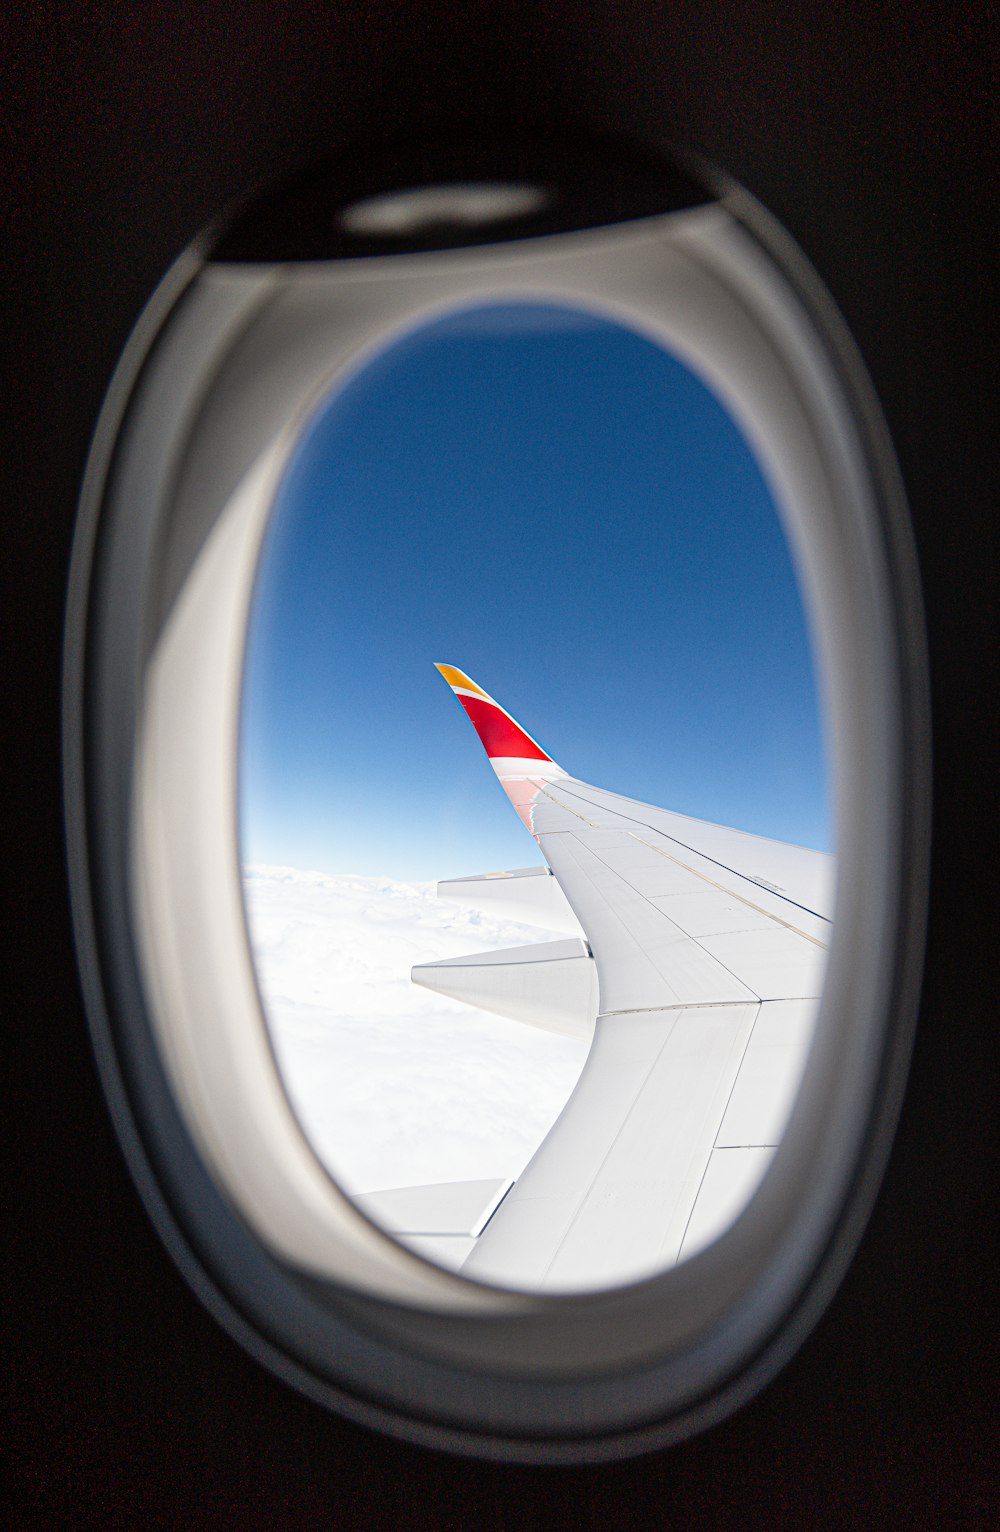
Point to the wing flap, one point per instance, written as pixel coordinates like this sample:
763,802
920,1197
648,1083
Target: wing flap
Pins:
552,985
770,1075
441,1221
608,1197
440,1208
731,1177
528,894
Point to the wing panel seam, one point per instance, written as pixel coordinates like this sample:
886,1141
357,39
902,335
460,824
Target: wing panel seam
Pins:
607,1153
778,921
715,1135
725,867
751,994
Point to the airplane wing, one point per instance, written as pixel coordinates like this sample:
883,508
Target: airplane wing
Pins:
442,1221
696,969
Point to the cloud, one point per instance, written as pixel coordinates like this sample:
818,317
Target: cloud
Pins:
394,1085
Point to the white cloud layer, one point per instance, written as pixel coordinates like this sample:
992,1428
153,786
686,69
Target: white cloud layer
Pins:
394,1085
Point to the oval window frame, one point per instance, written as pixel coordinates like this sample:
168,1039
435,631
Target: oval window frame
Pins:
383,1341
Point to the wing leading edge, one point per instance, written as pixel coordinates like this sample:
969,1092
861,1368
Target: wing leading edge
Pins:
698,984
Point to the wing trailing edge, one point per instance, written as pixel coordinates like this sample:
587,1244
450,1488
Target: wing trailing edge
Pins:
531,895
552,985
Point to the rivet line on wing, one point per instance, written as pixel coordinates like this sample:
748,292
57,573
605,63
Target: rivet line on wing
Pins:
768,914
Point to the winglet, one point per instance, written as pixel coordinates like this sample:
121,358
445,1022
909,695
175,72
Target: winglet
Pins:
511,750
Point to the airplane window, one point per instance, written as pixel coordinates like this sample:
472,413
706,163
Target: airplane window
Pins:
493,617
564,505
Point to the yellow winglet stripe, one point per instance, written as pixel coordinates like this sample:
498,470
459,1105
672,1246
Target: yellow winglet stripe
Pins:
456,677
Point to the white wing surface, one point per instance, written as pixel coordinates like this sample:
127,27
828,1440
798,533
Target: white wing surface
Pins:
698,981
442,1221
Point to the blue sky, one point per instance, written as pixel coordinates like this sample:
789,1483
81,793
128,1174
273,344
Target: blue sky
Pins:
560,508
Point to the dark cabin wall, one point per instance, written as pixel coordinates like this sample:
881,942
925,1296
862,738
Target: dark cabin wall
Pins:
868,136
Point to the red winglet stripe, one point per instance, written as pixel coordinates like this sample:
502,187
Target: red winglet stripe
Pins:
499,734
